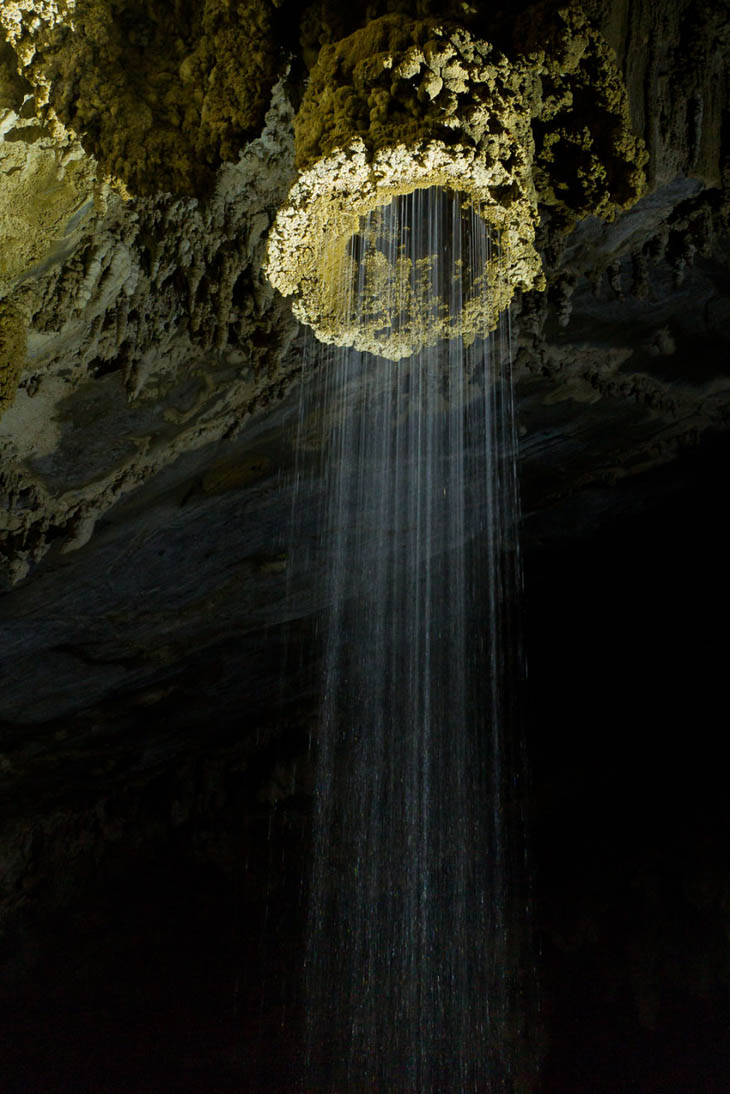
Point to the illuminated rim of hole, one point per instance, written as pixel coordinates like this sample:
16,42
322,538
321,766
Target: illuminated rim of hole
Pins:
308,260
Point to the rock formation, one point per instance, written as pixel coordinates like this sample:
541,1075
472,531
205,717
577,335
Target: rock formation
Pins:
149,403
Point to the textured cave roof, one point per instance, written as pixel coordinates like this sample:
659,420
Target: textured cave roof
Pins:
147,460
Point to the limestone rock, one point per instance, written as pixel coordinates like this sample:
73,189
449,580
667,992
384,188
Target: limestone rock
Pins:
395,107
159,93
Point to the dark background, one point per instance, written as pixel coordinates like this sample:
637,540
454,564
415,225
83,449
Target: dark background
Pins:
173,960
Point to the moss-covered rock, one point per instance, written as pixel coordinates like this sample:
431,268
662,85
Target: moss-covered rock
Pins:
46,180
159,91
13,346
399,106
588,161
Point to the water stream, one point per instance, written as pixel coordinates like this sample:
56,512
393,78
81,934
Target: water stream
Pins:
415,962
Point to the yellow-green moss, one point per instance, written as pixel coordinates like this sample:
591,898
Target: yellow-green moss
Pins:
588,161
403,104
45,178
395,107
13,348
39,194
159,91
401,82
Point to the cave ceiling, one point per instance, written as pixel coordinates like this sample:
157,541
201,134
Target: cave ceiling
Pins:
148,370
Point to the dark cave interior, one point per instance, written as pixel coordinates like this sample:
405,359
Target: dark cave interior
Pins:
174,962
160,657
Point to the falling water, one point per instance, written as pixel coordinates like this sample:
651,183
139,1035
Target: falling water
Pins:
413,965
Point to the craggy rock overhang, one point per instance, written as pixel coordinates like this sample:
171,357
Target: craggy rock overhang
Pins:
143,171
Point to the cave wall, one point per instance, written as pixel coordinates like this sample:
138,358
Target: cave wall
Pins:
146,468
152,313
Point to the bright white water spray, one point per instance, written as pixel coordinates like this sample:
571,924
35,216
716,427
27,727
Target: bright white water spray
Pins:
415,963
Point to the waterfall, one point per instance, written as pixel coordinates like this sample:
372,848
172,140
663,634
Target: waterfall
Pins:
414,964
